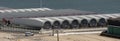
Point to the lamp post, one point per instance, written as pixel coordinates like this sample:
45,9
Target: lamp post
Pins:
57,34
57,31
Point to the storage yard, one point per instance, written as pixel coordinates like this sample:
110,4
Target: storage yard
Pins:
47,18
60,20
44,24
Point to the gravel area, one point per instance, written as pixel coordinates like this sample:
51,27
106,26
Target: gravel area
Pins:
9,36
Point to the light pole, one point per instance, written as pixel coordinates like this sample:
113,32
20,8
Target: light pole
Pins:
57,31
57,34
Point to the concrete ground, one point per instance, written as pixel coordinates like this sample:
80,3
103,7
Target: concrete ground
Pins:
8,36
85,37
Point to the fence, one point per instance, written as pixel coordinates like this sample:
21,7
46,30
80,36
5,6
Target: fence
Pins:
18,32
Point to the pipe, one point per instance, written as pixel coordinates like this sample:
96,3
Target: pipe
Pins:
47,24
75,24
110,16
64,23
42,12
116,15
85,21
76,21
103,21
58,21
55,23
94,20
93,23
67,22
37,23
